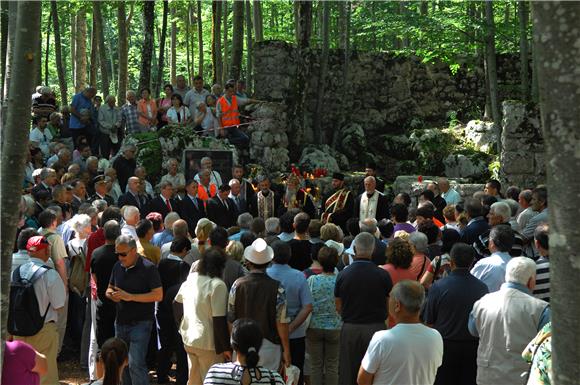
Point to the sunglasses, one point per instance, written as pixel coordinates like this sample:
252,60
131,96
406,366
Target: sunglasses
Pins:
122,254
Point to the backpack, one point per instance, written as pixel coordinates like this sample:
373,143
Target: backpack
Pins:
24,318
78,278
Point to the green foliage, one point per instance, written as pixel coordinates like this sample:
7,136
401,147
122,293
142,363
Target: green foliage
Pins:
432,146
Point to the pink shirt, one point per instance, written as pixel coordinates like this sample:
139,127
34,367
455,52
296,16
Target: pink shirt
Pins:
19,360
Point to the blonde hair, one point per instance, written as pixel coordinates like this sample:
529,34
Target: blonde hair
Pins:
235,249
330,231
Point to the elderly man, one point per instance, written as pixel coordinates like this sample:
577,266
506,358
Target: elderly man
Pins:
109,125
505,321
371,203
164,203
527,213
363,308
160,238
338,205
371,170
265,203
451,196
499,214
191,207
236,196
131,216
62,158
79,195
539,204
296,198
195,96
135,286
81,109
244,223
177,179
207,164
410,352
125,164
114,187
130,116
205,189
101,186
181,86
491,270
47,181
146,186
477,224
51,297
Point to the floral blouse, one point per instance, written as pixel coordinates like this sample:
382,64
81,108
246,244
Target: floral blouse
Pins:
539,354
324,315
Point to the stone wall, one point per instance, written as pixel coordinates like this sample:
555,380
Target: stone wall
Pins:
382,95
522,155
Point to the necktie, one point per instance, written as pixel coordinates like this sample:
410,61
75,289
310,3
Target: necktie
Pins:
195,203
168,204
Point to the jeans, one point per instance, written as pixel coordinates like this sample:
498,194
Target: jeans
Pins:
237,137
323,346
136,336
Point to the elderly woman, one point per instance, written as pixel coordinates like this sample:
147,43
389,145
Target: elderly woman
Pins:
205,121
147,109
178,113
420,262
177,179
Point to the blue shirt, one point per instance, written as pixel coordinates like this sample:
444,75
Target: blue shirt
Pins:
297,292
449,304
491,270
324,315
544,317
238,235
159,239
80,102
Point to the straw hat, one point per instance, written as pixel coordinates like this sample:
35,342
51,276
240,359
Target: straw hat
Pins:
259,253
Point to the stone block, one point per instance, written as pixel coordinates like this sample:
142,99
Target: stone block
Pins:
462,166
517,163
482,134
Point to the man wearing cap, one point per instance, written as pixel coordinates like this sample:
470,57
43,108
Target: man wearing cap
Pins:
371,170
221,209
101,189
50,294
263,299
338,205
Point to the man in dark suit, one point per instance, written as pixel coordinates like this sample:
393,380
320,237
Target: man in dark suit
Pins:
191,208
100,185
163,203
133,198
246,189
477,224
371,203
236,195
47,181
222,210
79,195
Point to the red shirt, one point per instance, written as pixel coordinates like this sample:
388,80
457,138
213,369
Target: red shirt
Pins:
96,239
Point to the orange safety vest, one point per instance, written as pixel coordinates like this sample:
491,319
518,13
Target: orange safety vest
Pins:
202,193
230,115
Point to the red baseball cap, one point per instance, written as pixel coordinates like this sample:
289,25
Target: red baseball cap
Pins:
36,243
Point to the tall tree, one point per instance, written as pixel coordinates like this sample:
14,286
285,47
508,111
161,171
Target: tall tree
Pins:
122,24
303,23
47,51
60,65
38,58
94,54
81,49
216,41
237,39
318,129
73,51
3,42
249,47
187,41
558,54
258,21
161,62
524,53
147,51
173,65
8,71
491,63
199,38
98,26
15,141
225,14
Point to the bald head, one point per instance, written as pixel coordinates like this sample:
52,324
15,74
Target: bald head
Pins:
370,184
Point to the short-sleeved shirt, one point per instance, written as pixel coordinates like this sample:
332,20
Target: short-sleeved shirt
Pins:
141,278
43,138
79,102
297,292
19,360
363,288
203,298
405,354
230,374
449,303
103,260
324,315
193,98
57,248
491,270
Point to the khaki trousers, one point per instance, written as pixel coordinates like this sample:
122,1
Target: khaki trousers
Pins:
46,342
199,361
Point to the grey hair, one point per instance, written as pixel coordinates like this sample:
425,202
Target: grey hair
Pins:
129,146
79,222
180,228
514,206
126,240
370,178
245,220
100,204
502,209
410,294
368,225
364,244
419,241
92,159
54,114
520,270
63,151
130,93
262,178
109,97
46,172
170,219
129,212
233,182
55,209
205,159
272,225
164,184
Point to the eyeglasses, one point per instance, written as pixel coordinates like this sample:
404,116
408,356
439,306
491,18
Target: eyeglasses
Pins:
122,254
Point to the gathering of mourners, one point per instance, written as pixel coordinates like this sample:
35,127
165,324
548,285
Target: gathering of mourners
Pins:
213,276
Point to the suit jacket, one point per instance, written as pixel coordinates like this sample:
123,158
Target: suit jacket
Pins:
40,187
382,207
221,215
129,199
158,205
190,213
76,203
107,198
472,231
241,204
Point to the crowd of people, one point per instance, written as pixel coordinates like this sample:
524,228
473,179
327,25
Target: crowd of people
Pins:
243,281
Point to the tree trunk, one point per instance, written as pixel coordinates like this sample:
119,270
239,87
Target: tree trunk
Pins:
317,123
123,53
94,55
38,58
8,71
225,69
304,23
60,69
47,52
249,48
199,38
424,8
216,41
558,53
113,64
524,60
147,51
161,62
73,45
490,59
258,22
15,140
98,31
187,43
3,43
237,40
173,69
81,50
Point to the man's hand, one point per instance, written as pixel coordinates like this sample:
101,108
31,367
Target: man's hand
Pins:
118,295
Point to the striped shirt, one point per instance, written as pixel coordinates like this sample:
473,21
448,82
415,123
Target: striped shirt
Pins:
481,245
542,289
231,374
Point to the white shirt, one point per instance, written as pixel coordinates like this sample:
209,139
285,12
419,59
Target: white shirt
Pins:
172,115
368,206
19,258
193,98
405,354
42,138
214,177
